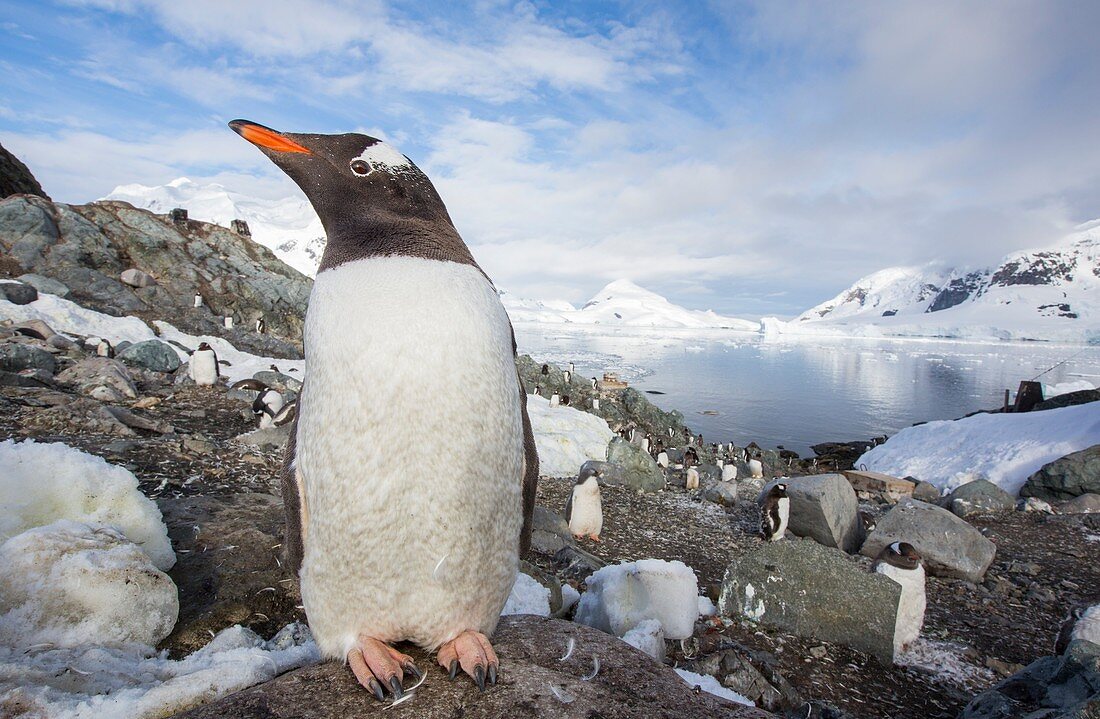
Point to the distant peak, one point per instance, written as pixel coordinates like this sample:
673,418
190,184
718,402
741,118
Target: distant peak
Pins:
180,182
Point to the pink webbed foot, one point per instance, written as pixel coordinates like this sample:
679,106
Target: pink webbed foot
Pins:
379,667
471,651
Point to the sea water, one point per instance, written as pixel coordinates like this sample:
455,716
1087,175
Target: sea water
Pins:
798,391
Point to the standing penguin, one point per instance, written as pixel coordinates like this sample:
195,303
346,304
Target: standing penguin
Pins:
691,478
538,390
268,403
775,512
572,368
555,399
105,349
662,459
900,562
198,300
401,322
595,382
568,377
583,511
756,468
203,367
261,325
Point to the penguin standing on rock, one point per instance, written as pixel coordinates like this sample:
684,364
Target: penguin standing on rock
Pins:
261,325
105,349
203,367
401,322
775,513
901,562
583,511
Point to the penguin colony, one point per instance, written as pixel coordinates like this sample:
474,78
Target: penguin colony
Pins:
380,559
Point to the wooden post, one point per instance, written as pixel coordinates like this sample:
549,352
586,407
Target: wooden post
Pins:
1008,396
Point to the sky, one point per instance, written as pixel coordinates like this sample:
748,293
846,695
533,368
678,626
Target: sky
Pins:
753,158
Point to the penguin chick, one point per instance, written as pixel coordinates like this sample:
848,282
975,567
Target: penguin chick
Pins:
901,563
583,511
756,468
691,478
203,367
775,512
266,406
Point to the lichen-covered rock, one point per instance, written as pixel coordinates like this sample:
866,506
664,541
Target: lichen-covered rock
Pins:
1065,687
101,378
813,591
949,546
723,493
926,492
534,682
1085,504
151,354
640,471
16,357
979,496
45,284
1065,478
18,293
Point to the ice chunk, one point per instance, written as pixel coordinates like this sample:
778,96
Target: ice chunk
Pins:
41,483
711,686
706,607
528,597
649,637
620,596
70,583
569,596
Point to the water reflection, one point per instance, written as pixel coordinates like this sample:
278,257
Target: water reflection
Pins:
799,391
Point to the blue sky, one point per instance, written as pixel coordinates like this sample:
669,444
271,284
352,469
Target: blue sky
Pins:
752,158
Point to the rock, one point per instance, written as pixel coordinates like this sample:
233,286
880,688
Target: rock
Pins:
572,562
1034,504
61,342
750,674
137,278
1065,687
639,469
26,378
271,438
1070,399
1066,478
16,178
134,421
102,376
950,547
813,591
34,328
1085,504
151,354
824,507
18,293
723,493
926,492
549,532
879,486
278,381
548,581
16,357
533,683
621,596
45,284
979,496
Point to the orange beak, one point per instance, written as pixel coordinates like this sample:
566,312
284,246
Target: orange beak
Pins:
266,137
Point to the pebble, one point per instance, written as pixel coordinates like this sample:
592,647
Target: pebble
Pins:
819,652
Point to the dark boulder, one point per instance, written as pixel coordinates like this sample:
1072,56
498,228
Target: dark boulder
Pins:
1067,477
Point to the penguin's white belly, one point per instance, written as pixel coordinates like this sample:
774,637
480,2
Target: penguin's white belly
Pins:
783,507
586,518
204,368
409,537
911,605
1088,626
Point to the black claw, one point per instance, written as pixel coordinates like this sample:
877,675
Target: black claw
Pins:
492,674
479,677
453,670
413,669
377,689
395,685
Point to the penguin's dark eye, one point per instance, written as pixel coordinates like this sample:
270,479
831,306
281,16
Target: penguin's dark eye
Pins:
359,167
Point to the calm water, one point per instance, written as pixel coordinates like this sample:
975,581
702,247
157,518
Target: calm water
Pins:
798,392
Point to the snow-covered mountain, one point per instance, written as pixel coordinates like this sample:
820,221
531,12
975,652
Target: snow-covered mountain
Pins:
1045,294
625,304
288,227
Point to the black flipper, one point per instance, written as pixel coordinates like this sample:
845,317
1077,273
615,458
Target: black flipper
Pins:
530,463
292,504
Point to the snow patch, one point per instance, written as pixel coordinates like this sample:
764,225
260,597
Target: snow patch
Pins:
711,686
528,596
68,317
621,596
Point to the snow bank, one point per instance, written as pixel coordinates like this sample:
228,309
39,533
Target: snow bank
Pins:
565,437
711,686
65,316
70,583
133,681
41,483
621,596
528,596
1004,448
1053,390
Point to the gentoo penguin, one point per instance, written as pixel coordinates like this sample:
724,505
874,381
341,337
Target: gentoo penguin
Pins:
756,469
720,462
595,403
198,300
571,368
261,325
583,511
545,370
105,349
228,319
401,322
729,472
775,511
595,382
691,457
568,376
691,478
900,562
670,433
662,460
203,367
253,385
565,400
1082,623
645,443
266,406
555,399
538,390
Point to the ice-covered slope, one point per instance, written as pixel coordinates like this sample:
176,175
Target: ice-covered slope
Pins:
1046,294
288,227
622,303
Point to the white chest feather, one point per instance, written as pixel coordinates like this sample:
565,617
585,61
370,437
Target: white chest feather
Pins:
586,516
204,367
1088,626
410,449
783,506
911,605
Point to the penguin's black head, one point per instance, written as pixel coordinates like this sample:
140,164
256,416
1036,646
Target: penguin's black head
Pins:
780,489
587,473
372,200
903,554
203,346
